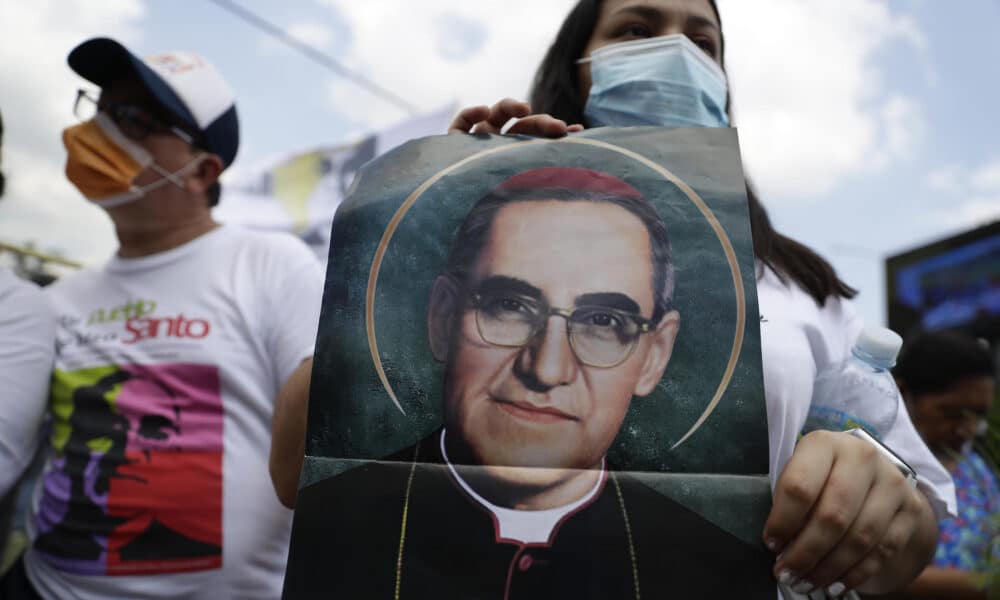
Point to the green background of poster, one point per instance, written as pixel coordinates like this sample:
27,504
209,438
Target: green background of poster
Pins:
351,416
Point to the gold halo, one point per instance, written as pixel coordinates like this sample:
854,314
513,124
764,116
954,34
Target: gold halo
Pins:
706,212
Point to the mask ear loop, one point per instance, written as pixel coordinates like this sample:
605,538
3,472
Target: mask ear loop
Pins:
136,192
175,176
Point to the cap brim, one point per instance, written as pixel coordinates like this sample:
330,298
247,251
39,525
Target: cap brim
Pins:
103,60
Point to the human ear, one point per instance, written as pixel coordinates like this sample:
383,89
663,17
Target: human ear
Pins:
441,313
660,349
205,173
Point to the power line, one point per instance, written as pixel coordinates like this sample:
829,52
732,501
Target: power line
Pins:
313,54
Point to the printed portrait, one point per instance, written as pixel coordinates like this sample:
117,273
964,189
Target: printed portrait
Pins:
538,376
166,425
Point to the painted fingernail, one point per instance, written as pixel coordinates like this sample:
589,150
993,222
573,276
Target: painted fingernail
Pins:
836,589
803,587
772,544
786,577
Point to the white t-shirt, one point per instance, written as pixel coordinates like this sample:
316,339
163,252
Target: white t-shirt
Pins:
167,368
798,338
27,347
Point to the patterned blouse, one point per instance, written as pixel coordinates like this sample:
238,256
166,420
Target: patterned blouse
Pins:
968,541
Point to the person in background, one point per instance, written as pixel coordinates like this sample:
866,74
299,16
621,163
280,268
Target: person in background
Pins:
949,383
27,347
169,356
841,518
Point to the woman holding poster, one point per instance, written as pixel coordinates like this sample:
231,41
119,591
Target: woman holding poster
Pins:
843,518
840,520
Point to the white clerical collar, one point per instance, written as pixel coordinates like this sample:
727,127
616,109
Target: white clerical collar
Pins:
524,526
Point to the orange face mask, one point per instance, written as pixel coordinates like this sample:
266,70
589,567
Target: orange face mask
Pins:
102,162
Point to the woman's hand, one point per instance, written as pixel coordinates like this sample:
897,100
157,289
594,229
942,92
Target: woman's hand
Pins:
491,119
844,517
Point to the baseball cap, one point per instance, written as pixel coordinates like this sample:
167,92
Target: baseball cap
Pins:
184,83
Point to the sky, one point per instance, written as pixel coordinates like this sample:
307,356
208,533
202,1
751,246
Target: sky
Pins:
867,126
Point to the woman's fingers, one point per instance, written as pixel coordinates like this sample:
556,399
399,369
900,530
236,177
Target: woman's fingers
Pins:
896,538
841,513
507,109
489,119
873,527
483,127
824,535
510,116
798,489
467,118
540,126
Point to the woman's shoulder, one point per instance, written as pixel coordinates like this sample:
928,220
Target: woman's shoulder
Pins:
830,328
778,293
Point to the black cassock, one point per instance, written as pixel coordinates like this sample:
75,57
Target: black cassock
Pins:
403,529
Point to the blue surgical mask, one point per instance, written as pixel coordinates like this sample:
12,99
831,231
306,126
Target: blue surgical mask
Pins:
664,80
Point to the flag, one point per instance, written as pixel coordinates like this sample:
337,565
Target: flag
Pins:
300,193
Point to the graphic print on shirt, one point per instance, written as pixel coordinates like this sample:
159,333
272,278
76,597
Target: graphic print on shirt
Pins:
136,483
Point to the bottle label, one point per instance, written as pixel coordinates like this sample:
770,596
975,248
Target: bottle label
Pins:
880,386
832,419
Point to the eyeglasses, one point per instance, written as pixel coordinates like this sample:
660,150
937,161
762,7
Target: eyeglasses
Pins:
599,336
135,122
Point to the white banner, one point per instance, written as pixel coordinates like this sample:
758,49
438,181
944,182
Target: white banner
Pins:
300,193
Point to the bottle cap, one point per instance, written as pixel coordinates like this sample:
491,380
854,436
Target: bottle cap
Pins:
878,346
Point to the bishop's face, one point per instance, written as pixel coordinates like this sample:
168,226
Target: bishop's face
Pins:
534,396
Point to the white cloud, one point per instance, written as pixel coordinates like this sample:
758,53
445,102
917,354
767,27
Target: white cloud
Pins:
987,177
903,130
904,126
328,35
459,38
947,178
972,193
974,212
810,102
472,52
38,197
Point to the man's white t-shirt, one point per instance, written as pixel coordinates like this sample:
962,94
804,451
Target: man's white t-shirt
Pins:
27,343
167,369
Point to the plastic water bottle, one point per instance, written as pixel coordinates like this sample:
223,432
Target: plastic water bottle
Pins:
860,391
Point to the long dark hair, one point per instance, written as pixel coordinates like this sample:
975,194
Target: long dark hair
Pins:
556,91
932,362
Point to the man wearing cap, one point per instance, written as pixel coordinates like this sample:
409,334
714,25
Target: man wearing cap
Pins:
553,311
169,357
